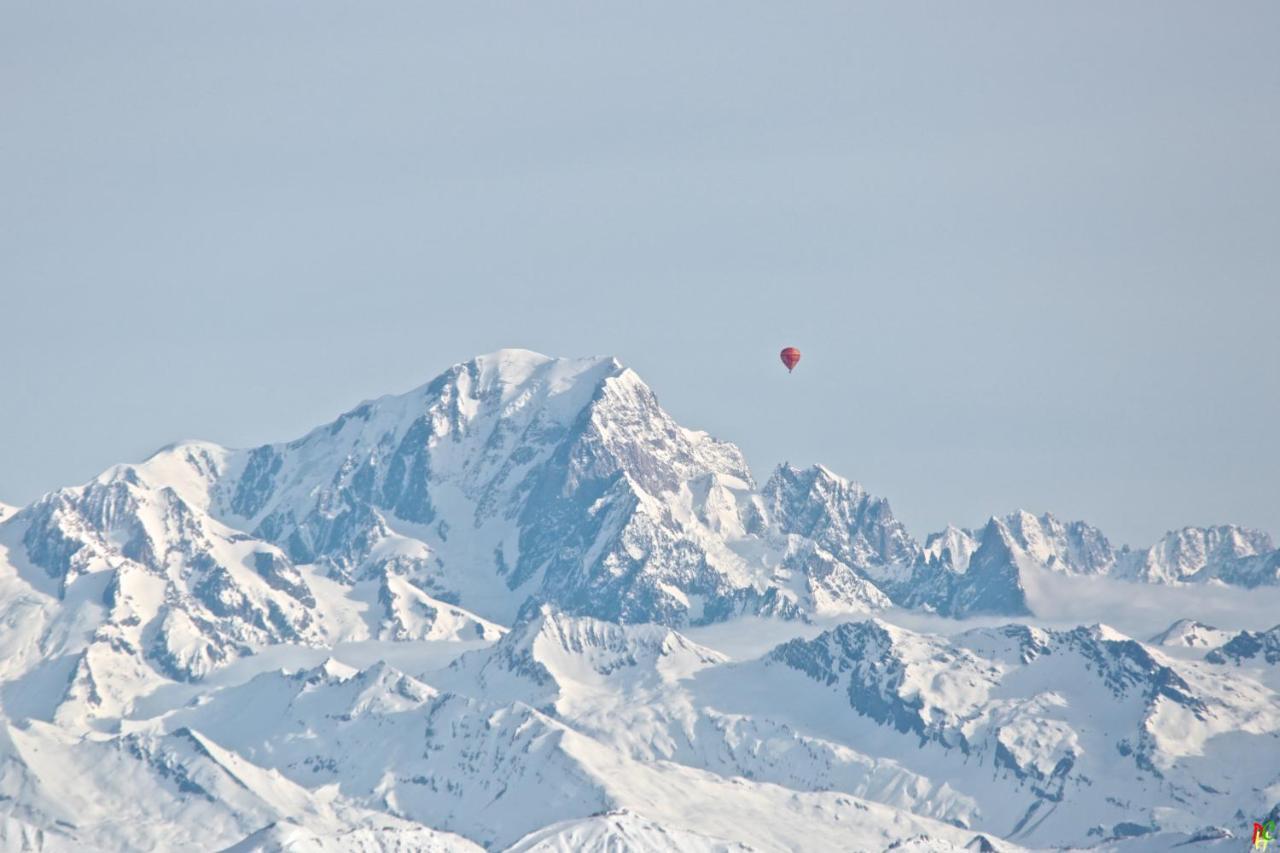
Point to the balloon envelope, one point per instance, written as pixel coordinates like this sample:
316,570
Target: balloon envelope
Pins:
790,357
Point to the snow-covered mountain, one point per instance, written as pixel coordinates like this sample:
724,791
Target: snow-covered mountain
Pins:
1010,545
1189,633
1080,731
1259,647
1226,552
459,618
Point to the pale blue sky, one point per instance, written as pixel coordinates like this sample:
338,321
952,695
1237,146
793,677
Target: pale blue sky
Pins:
1031,251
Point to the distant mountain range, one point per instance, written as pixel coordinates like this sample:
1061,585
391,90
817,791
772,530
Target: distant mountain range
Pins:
516,548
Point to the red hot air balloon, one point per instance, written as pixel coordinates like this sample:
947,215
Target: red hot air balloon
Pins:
790,357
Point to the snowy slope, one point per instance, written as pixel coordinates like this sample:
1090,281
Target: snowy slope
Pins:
970,572
620,830
1257,647
1201,553
455,619
1083,730
386,836
1189,633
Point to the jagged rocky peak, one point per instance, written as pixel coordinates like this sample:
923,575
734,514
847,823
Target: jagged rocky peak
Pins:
1182,554
954,692
1226,553
839,515
1252,571
539,459
913,682
557,497
479,426
178,588
461,427
1253,646
868,641
509,477
969,572
517,477
151,513
988,581
1071,547
1124,665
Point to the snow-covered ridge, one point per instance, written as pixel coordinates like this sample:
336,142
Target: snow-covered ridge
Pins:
1086,717
1189,633
562,473
463,617
1223,554
1249,647
508,480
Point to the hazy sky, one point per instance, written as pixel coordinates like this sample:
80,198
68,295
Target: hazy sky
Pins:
1031,251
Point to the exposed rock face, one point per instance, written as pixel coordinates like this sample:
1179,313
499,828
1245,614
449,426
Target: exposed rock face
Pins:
1253,646
460,618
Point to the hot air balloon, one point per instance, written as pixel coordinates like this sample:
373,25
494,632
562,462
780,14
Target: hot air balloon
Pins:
790,357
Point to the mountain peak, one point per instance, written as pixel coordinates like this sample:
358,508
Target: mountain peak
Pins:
556,496
1201,552
817,477
549,649
839,516
513,367
328,671
1191,633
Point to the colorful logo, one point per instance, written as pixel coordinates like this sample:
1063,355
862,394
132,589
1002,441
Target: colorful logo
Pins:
1263,834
